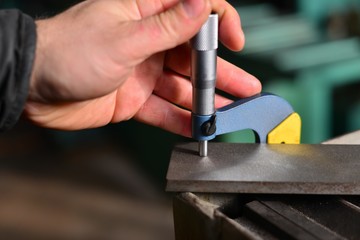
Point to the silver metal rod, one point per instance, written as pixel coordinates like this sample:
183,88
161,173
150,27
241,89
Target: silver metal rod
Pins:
203,148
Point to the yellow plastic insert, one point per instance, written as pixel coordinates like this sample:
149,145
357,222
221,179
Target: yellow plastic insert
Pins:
288,131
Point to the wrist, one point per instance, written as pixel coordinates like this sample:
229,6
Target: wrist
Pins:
39,64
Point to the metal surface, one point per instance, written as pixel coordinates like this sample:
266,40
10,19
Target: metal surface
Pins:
262,168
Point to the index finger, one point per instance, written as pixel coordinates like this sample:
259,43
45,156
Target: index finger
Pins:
235,81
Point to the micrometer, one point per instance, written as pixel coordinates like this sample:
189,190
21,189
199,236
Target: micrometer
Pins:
272,118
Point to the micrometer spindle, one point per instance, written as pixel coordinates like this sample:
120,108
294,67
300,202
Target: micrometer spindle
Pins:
203,76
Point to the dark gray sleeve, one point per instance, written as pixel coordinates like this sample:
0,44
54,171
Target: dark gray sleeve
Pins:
17,52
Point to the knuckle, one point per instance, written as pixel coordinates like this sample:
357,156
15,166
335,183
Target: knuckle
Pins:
169,28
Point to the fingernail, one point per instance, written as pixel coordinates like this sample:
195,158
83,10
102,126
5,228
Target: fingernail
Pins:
256,84
194,8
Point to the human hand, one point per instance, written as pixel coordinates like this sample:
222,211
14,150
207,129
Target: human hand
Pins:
105,61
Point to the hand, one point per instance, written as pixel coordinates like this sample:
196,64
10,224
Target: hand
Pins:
106,61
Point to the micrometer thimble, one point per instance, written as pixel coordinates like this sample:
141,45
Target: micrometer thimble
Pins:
203,66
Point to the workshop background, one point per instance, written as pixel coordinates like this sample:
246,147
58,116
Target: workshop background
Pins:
108,183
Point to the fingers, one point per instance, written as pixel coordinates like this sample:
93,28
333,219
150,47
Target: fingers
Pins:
159,109
167,29
179,59
236,81
169,23
230,31
230,78
146,8
161,113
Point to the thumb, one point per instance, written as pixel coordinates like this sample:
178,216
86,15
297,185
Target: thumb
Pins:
168,29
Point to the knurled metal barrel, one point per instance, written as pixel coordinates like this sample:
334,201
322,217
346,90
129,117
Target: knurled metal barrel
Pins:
203,67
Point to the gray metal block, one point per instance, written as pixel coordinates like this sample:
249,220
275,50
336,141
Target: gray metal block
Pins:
263,168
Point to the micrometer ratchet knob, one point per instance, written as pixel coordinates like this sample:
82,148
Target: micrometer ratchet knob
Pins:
203,67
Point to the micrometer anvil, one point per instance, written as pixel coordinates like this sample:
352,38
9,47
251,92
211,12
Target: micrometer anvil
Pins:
272,119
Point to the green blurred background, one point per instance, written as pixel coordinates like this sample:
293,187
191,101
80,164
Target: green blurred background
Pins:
306,51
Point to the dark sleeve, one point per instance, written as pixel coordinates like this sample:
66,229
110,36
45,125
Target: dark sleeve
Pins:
17,51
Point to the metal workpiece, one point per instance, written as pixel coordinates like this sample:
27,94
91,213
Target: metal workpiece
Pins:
266,168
